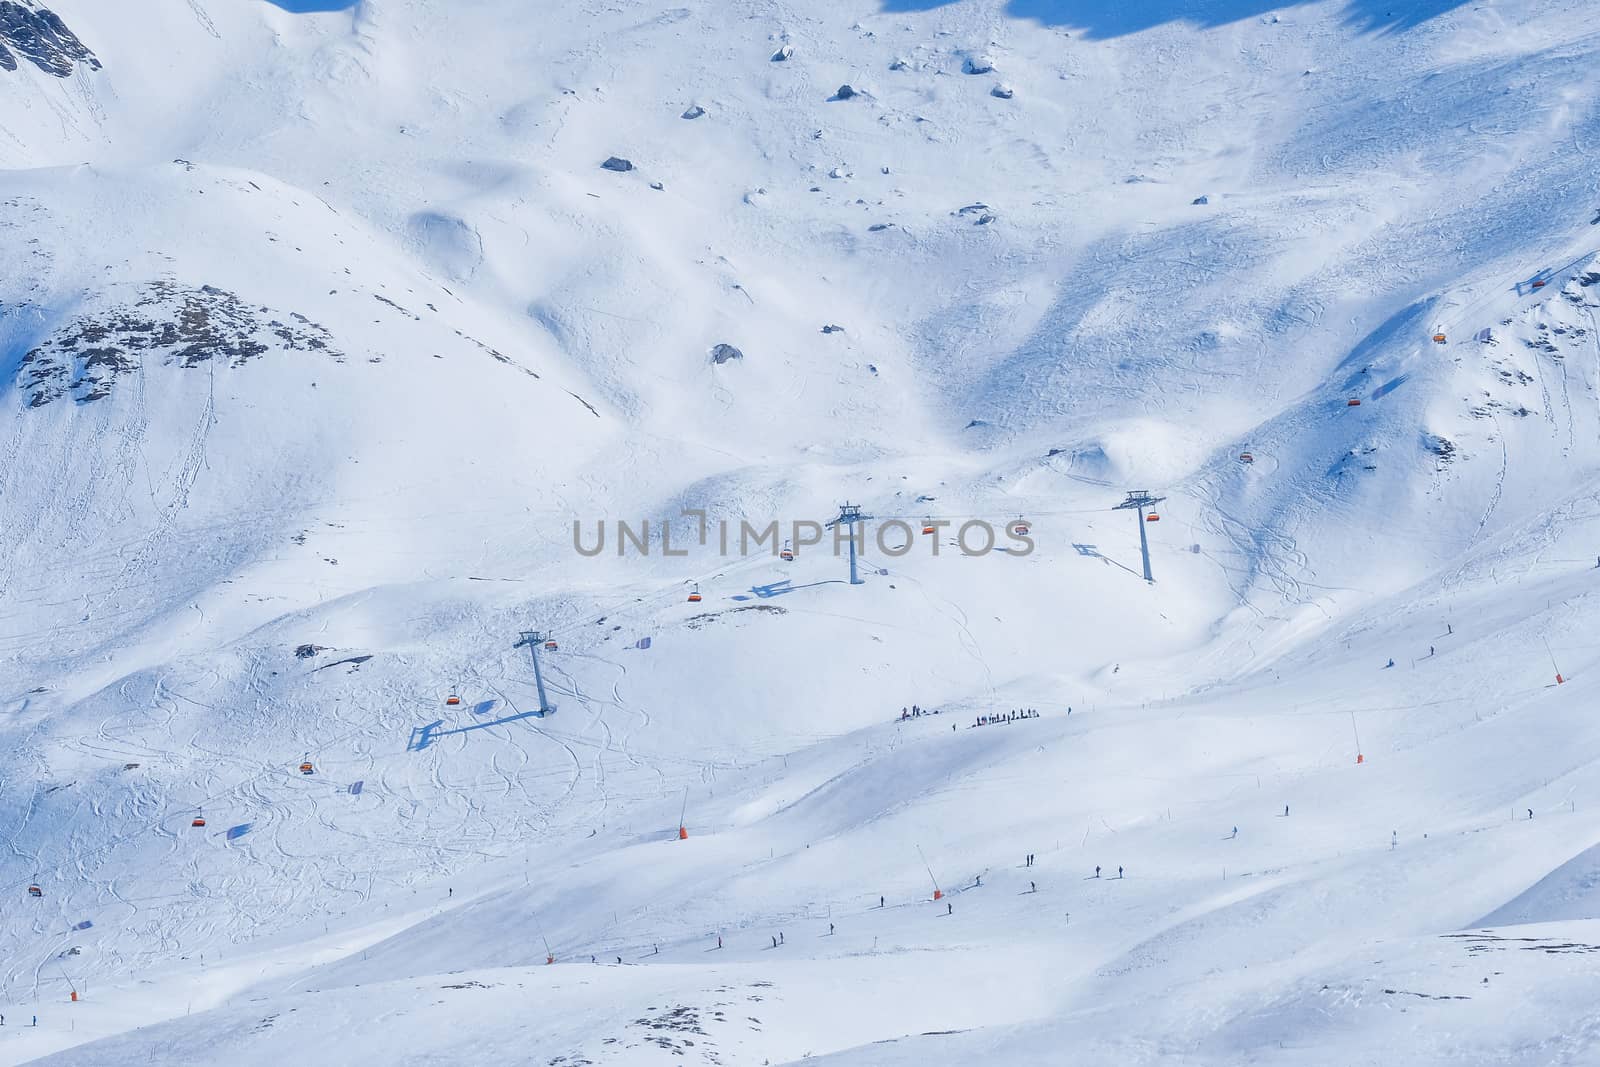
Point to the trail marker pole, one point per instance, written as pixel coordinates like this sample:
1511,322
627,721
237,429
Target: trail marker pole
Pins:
938,894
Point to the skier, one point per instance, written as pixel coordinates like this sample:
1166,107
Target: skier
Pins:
591,959
1394,840
1235,833
780,937
1430,650
774,941
830,929
880,902
980,877
1032,888
450,892
949,908
1530,813
1119,872
1097,871
1286,811
619,959
719,940
1389,664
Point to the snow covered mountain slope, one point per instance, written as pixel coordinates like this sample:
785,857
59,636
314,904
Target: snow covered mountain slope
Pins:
320,331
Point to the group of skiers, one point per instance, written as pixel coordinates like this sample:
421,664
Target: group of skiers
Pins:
914,712
1010,716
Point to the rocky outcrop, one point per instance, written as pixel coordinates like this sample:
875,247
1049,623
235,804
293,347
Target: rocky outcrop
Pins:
171,323
38,35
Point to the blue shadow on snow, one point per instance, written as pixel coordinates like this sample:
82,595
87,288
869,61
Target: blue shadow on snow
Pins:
311,7
1100,18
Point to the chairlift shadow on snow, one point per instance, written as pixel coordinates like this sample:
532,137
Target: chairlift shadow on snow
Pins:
423,736
783,588
1094,552
1098,20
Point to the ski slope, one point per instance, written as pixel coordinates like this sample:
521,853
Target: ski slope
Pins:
323,326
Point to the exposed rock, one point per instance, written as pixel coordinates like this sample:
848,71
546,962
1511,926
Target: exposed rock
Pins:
783,54
308,651
618,164
978,65
1201,200
694,112
844,92
899,64
724,352
878,227
657,186
1004,92
831,328
178,325
38,35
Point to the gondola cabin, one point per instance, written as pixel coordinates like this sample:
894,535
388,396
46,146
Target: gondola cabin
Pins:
550,646
927,526
35,891
1152,517
1538,283
694,594
307,768
1352,403
1438,338
452,700
197,821
1245,457
787,555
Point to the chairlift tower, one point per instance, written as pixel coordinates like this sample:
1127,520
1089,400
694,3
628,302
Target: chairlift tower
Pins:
849,516
533,639
1137,501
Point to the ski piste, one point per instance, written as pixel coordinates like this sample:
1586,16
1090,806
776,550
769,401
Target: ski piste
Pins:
558,533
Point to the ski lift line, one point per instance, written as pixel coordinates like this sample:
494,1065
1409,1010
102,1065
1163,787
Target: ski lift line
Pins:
169,814
628,606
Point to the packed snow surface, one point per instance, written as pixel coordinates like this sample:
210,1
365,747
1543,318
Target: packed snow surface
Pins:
335,336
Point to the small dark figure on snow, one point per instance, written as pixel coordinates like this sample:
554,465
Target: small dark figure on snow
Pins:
1530,813
774,942
1286,811
949,908
1032,888
1097,871
1119,872
830,929
880,902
